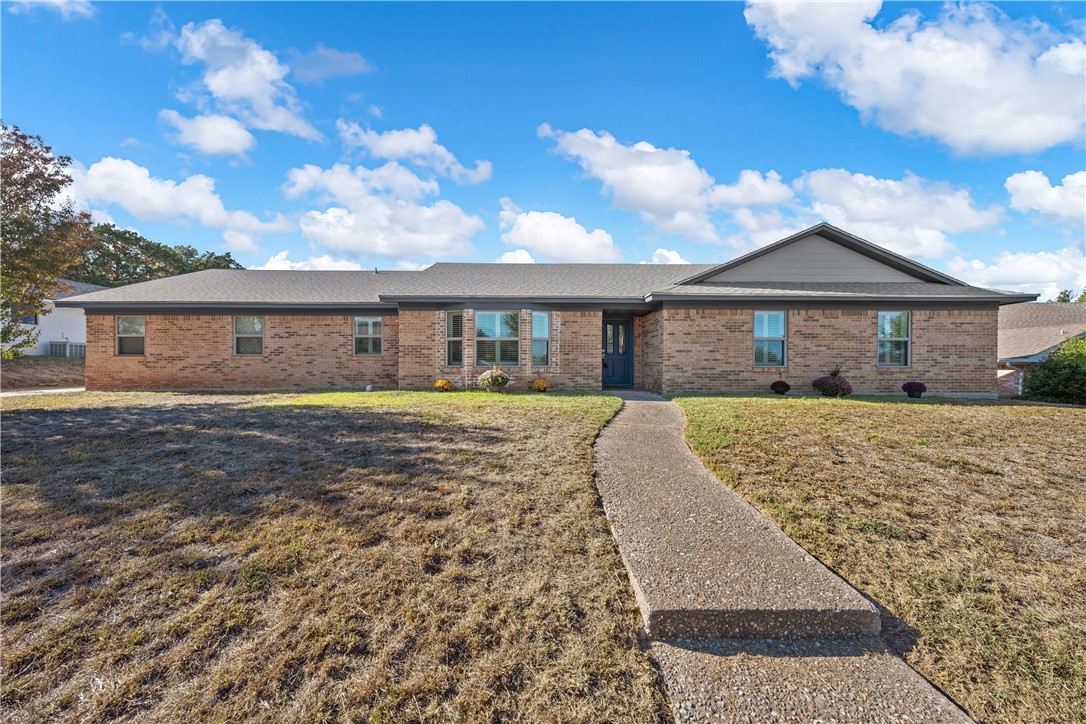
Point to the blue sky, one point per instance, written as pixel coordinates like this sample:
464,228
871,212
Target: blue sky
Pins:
332,135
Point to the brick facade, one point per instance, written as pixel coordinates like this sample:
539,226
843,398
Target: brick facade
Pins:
711,350
193,351
675,351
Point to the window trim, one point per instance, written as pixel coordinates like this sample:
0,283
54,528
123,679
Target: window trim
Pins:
908,339
355,336
783,340
497,340
249,336
533,339
449,338
35,316
119,335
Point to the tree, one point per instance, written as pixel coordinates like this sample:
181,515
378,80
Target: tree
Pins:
1082,297
41,233
119,256
1061,377
1068,295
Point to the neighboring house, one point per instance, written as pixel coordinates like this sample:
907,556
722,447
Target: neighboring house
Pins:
791,310
61,331
1028,334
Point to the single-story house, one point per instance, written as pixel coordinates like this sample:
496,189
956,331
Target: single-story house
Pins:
62,331
1029,333
791,310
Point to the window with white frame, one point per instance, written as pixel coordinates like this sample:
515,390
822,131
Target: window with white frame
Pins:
497,339
28,319
130,335
541,339
367,335
454,339
894,330
248,335
769,339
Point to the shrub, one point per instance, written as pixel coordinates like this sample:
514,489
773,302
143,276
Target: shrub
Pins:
541,385
444,385
780,387
1061,377
494,378
832,384
914,386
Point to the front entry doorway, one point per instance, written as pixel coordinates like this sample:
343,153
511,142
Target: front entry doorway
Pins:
617,353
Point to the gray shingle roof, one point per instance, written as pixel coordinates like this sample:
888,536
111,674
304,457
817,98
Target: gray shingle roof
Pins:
253,286
1028,329
838,290
74,289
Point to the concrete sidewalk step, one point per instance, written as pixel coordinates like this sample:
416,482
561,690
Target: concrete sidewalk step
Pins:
797,681
703,562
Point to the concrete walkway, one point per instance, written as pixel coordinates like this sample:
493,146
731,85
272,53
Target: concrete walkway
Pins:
42,391
746,626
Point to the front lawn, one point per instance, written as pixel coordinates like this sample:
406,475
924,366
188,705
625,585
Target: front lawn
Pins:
28,372
343,556
967,521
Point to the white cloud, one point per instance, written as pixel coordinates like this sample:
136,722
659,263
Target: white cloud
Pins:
911,216
240,242
121,182
971,78
417,146
1043,272
161,34
212,134
244,79
517,256
1032,191
323,262
664,185
322,63
554,237
666,256
375,111
377,211
67,9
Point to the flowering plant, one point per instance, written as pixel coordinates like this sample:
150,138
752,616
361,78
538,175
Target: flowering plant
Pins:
494,378
780,387
914,386
444,385
832,384
541,385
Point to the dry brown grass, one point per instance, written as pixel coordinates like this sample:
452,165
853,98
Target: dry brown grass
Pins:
26,373
381,557
966,521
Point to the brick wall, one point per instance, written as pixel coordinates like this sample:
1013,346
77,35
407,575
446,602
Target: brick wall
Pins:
185,351
648,351
574,351
711,350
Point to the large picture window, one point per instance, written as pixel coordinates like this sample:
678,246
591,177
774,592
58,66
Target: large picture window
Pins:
367,335
894,330
541,339
769,339
248,335
497,339
130,335
454,339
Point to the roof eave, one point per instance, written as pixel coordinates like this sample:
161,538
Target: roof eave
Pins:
1002,299
221,305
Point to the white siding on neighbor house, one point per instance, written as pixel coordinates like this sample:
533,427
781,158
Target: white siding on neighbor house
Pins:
813,259
65,324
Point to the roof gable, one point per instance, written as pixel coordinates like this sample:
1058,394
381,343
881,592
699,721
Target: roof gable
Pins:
822,253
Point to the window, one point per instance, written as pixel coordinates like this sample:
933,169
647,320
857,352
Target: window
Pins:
497,339
893,339
248,335
541,339
769,339
367,335
454,339
31,319
130,331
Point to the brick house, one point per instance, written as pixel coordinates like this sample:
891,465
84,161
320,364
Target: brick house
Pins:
788,311
1029,333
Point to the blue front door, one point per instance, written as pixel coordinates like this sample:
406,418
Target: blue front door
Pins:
617,353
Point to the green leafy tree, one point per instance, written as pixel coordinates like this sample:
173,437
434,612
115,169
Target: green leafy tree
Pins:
41,233
1064,296
1061,377
1082,297
119,256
